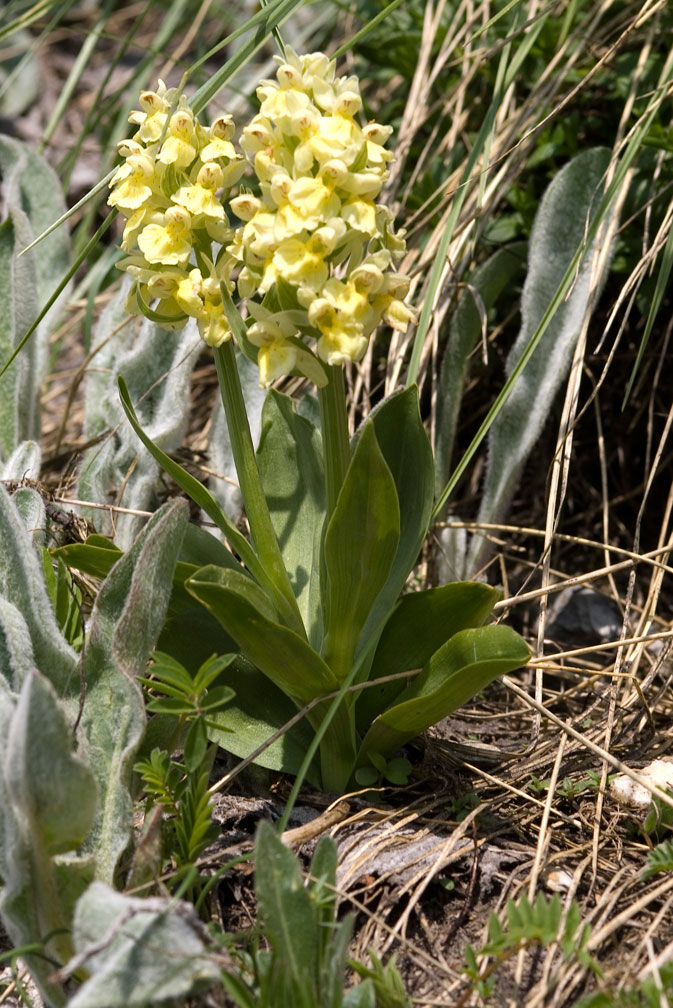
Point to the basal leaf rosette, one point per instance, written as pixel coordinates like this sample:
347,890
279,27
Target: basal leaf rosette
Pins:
171,188
315,246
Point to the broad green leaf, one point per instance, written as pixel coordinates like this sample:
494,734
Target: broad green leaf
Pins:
190,634
123,630
90,557
363,995
466,329
257,712
246,613
200,548
360,545
291,467
406,449
417,627
224,486
286,906
468,662
141,951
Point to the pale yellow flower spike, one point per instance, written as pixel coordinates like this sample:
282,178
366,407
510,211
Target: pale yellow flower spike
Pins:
320,172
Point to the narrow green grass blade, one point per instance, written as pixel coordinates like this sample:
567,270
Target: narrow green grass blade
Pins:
272,17
76,71
73,209
660,290
504,77
375,21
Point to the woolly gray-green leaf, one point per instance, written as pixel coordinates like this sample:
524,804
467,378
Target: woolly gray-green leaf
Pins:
20,384
558,232
23,585
47,803
30,506
124,627
16,647
51,791
23,463
290,915
143,951
156,366
30,183
33,198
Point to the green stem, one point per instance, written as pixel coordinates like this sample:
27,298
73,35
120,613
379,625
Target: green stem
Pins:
256,509
336,444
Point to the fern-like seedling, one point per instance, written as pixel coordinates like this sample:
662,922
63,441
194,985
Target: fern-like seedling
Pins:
529,924
189,699
659,859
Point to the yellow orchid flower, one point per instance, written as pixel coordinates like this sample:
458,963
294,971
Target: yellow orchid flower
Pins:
297,261
278,352
179,147
151,117
199,199
168,242
217,140
360,214
132,183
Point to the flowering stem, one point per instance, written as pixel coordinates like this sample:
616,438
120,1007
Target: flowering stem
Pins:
256,509
336,445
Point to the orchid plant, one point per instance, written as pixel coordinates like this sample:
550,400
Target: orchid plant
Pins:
315,598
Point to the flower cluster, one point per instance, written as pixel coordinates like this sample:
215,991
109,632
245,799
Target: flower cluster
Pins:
315,225
314,247
167,189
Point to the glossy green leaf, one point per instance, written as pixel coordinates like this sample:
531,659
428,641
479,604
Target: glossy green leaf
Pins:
291,467
360,545
190,634
406,449
468,662
200,547
257,712
246,613
417,627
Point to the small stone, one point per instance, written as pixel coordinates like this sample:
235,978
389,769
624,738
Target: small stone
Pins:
658,774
